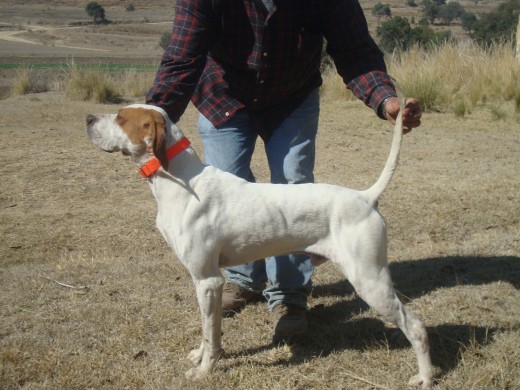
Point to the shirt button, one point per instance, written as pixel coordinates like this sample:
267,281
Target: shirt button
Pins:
255,100
226,114
265,54
262,81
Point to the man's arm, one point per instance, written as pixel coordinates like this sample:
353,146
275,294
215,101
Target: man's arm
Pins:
357,58
185,57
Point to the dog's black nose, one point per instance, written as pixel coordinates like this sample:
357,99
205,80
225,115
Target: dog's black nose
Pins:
91,119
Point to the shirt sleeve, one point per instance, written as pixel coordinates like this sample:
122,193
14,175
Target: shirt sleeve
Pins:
184,59
357,58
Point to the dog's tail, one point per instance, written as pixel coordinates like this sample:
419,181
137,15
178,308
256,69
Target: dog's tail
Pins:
373,193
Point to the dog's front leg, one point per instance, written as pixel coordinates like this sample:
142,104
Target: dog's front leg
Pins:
209,296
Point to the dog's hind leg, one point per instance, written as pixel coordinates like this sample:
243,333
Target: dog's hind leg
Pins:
368,273
380,295
209,296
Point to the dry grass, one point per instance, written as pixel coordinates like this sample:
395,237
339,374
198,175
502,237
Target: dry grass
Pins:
25,81
137,84
86,84
444,75
81,83
455,77
74,215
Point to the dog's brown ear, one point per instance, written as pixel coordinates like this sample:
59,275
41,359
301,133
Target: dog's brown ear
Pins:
158,133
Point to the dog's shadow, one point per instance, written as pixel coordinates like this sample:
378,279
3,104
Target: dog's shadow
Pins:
332,329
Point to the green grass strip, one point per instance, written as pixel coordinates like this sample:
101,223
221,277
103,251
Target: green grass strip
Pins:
101,67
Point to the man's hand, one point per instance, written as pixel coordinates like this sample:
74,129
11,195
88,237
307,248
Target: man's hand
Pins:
411,115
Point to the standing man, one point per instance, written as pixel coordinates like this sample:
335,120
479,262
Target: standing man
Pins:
252,68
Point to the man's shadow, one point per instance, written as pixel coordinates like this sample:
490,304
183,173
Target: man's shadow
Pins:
331,327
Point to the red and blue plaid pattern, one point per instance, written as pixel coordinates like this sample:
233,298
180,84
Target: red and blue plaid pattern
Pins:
228,55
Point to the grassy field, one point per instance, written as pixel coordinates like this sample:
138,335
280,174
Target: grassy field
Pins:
92,297
73,215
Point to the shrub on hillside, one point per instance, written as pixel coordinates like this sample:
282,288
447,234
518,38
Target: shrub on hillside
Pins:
498,25
165,39
468,21
449,12
90,85
381,10
95,11
397,33
25,82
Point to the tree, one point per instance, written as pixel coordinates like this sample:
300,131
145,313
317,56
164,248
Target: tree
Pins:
426,37
498,25
394,34
397,33
381,10
430,10
468,20
449,12
95,11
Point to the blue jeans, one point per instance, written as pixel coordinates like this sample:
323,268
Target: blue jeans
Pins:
290,153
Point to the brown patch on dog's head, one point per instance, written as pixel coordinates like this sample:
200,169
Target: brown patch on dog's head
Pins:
141,123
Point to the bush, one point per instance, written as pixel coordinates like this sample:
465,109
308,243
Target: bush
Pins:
430,10
468,21
499,25
21,83
460,107
449,12
95,11
25,82
381,10
165,39
90,85
130,8
397,33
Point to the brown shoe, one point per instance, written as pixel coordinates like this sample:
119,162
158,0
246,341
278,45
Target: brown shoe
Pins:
234,298
288,320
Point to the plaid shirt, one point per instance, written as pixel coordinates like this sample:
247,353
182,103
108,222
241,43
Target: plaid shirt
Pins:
262,56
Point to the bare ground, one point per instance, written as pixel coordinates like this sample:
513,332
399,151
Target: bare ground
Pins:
72,214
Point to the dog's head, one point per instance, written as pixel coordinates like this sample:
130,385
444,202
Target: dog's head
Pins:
136,130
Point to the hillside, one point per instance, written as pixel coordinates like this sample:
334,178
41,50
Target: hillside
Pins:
62,28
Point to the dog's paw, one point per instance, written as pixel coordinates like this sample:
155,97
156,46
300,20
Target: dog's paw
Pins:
418,382
196,374
195,356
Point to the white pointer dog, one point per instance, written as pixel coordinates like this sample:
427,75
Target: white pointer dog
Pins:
213,219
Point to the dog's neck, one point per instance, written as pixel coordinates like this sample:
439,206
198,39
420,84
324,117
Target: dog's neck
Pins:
182,169
186,164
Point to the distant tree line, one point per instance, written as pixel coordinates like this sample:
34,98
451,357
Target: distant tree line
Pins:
398,33
498,25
